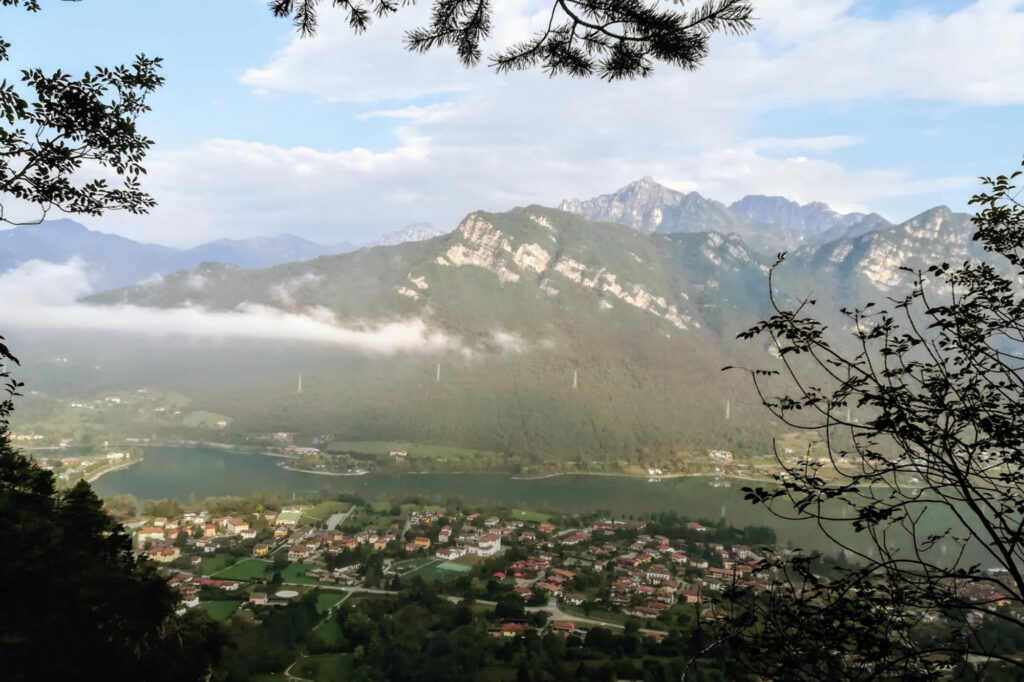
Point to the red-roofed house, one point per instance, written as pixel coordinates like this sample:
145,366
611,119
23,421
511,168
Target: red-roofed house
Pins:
164,554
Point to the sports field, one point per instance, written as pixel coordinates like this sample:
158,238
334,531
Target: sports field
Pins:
442,571
220,610
246,569
526,515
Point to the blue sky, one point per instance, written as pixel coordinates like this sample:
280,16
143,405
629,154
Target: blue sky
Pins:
888,106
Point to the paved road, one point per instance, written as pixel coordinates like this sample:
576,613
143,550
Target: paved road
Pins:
551,608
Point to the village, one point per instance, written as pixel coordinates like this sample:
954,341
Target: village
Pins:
580,571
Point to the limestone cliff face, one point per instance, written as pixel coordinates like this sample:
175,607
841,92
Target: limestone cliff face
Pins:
767,224
649,207
483,245
417,232
878,262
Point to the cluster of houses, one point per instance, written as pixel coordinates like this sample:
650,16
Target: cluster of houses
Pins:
644,574
304,542
189,585
159,537
470,540
655,572
651,572
73,468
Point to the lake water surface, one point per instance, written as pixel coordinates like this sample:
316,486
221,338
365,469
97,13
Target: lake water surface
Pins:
193,473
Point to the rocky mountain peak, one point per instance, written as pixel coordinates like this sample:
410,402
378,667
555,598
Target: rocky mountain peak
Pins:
416,232
648,206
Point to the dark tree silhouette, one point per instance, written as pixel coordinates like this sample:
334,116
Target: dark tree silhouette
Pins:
922,410
55,145
613,39
77,604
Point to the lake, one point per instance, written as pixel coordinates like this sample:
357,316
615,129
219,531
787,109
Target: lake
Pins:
193,473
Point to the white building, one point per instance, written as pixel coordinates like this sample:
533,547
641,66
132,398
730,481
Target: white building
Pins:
487,545
450,553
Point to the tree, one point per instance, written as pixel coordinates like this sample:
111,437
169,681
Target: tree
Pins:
612,39
69,576
922,410
57,147
69,580
181,539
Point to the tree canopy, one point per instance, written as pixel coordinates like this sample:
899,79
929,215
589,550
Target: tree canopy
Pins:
60,145
77,602
922,410
70,583
612,39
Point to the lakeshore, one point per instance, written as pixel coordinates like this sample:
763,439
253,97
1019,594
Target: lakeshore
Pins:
324,473
95,476
194,473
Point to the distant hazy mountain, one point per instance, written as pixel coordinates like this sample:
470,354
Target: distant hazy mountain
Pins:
263,252
115,261
416,232
649,207
536,295
814,222
112,260
767,224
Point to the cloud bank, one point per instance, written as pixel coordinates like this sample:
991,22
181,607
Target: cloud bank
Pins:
448,141
44,296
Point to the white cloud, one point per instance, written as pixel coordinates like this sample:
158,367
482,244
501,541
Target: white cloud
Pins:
285,291
524,138
801,52
345,67
241,188
971,56
815,145
509,342
39,295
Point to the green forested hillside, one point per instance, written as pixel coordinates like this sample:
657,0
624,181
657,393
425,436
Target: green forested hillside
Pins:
528,299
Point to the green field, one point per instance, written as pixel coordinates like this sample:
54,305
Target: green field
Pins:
296,573
525,515
328,632
324,668
375,514
204,418
220,610
439,571
376,447
292,516
323,511
610,617
211,565
412,564
246,569
325,600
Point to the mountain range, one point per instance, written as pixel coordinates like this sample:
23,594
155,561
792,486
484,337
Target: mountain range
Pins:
571,338
767,224
114,261
587,333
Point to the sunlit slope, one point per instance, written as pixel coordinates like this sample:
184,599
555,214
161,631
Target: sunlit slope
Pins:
534,300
